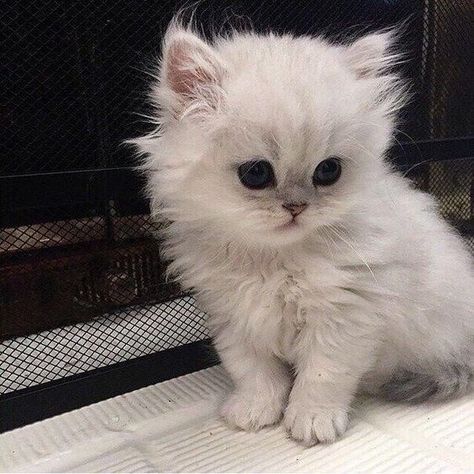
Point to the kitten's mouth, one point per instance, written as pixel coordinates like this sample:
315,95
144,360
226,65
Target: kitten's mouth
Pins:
291,224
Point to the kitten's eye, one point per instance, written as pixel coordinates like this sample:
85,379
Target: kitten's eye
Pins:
327,172
256,174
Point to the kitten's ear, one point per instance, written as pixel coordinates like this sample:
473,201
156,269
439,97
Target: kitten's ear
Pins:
191,71
372,54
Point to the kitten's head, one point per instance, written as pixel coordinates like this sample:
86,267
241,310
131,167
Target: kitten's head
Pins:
265,139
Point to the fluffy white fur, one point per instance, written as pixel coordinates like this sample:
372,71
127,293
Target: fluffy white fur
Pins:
369,290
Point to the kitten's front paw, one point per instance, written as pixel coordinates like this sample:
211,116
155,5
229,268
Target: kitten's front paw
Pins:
320,425
250,412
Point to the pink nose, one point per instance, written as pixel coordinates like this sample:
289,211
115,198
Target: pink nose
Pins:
295,208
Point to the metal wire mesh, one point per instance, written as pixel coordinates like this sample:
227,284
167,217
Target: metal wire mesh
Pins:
77,258
116,337
448,54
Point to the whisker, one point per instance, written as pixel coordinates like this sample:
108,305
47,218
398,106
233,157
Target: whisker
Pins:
415,166
401,132
324,235
331,227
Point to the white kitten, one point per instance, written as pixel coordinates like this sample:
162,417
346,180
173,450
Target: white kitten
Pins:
321,269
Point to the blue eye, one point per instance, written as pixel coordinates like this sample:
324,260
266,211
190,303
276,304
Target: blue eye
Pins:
256,174
327,172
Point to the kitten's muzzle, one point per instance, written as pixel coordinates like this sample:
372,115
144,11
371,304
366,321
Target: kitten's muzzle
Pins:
295,208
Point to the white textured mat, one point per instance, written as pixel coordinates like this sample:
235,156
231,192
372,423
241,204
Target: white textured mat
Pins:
172,426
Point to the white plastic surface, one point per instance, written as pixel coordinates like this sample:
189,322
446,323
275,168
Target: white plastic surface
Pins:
173,427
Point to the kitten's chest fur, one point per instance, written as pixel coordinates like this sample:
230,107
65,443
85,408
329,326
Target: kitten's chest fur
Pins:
293,317
268,298
282,305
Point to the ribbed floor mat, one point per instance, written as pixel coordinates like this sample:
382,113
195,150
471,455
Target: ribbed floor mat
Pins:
173,427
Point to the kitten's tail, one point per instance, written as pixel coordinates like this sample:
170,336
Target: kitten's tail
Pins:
413,387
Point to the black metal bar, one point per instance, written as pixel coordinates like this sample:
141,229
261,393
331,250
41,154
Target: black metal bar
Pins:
53,398
32,199
408,154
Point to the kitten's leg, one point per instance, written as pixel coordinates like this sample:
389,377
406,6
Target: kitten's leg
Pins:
262,384
332,352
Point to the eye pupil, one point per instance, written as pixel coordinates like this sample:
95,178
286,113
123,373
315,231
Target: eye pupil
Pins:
327,172
256,174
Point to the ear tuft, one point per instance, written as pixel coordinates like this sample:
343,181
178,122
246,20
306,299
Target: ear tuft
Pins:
372,55
191,70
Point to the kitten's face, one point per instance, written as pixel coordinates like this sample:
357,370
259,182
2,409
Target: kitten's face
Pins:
282,138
